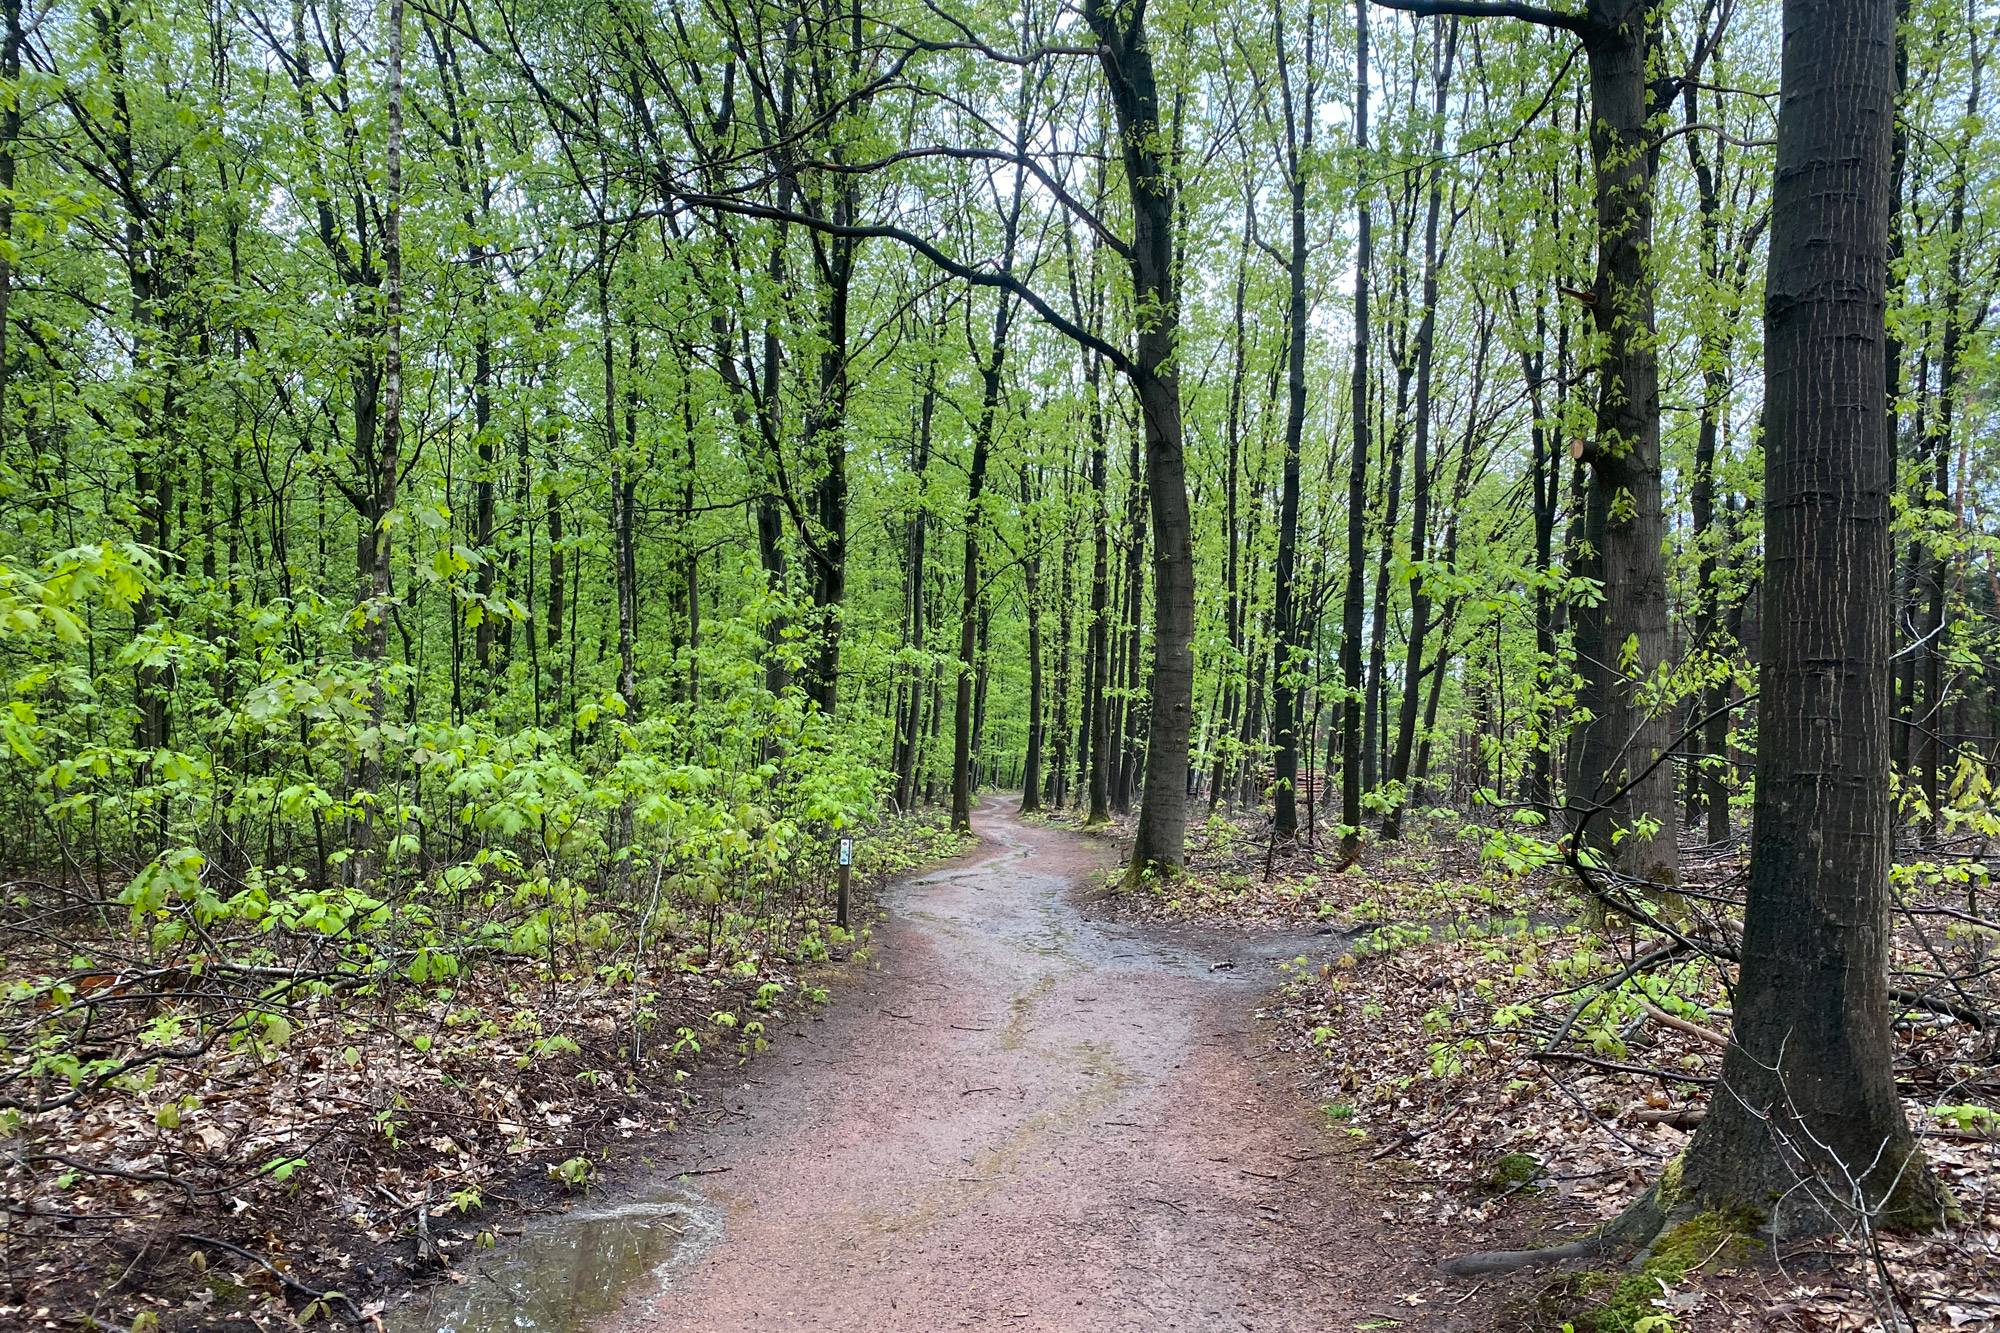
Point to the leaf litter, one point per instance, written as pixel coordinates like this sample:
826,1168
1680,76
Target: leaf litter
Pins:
277,1155
1510,1079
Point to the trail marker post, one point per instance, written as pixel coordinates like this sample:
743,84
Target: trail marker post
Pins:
846,869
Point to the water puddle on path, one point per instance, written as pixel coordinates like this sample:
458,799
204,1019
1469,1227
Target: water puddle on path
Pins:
571,1271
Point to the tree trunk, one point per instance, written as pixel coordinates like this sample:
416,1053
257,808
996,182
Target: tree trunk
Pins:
1443,54
1128,68
1097,715
387,462
10,134
1357,483
623,486
1622,642
826,442
910,716
1232,697
1809,1080
1935,577
962,777
1284,692
1127,714
984,656
1058,780
1031,575
557,556
1372,709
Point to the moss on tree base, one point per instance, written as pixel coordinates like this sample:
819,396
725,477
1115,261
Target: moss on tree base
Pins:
1618,1300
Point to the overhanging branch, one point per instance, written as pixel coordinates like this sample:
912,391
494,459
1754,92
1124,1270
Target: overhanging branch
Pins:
1495,9
978,277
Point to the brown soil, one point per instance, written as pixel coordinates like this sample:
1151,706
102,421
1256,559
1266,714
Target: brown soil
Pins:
1025,1119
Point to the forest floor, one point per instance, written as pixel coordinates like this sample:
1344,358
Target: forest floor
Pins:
1022,1116
1033,1101
359,1149
1424,1042
1029,1119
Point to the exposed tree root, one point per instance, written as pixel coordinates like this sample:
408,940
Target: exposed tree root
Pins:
1639,1225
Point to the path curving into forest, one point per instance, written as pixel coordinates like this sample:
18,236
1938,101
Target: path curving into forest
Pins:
1027,1120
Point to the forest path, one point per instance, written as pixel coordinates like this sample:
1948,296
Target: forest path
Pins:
1024,1119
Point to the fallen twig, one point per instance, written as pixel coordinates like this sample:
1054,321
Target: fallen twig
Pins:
310,1293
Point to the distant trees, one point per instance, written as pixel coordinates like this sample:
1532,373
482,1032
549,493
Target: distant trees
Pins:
1129,399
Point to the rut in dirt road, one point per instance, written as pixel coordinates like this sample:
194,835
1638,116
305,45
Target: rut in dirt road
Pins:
1024,1120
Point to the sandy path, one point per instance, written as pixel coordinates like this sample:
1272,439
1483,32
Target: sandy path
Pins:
1026,1120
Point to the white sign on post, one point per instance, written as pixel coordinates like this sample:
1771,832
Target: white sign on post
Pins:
847,851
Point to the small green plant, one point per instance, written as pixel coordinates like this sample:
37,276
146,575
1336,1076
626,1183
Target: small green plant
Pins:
576,1172
391,1127
281,1168
556,1045
1972,1119
319,1307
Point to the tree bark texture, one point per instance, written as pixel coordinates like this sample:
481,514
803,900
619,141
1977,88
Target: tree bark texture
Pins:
1807,1085
1128,70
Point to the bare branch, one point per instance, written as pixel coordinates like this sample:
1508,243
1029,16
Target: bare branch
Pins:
1495,9
1040,173
978,277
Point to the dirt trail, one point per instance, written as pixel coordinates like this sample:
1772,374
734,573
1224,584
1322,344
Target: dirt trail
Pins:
1027,1120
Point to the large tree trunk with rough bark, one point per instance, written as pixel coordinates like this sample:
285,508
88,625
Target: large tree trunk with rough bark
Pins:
1808,1091
1128,72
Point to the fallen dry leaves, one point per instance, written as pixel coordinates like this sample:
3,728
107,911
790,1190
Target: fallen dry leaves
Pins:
347,1143
1445,1044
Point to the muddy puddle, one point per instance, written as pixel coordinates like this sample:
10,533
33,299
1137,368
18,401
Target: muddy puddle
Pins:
572,1272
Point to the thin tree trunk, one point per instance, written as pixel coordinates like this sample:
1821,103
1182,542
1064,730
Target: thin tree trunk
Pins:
1936,576
1299,123
1130,634
1232,699
1031,576
376,541
1444,52
1357,482
826,442
908,731
1097,700
962,777
1058,781
10,134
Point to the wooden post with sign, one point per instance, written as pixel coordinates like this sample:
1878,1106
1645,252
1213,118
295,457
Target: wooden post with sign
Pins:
846,869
